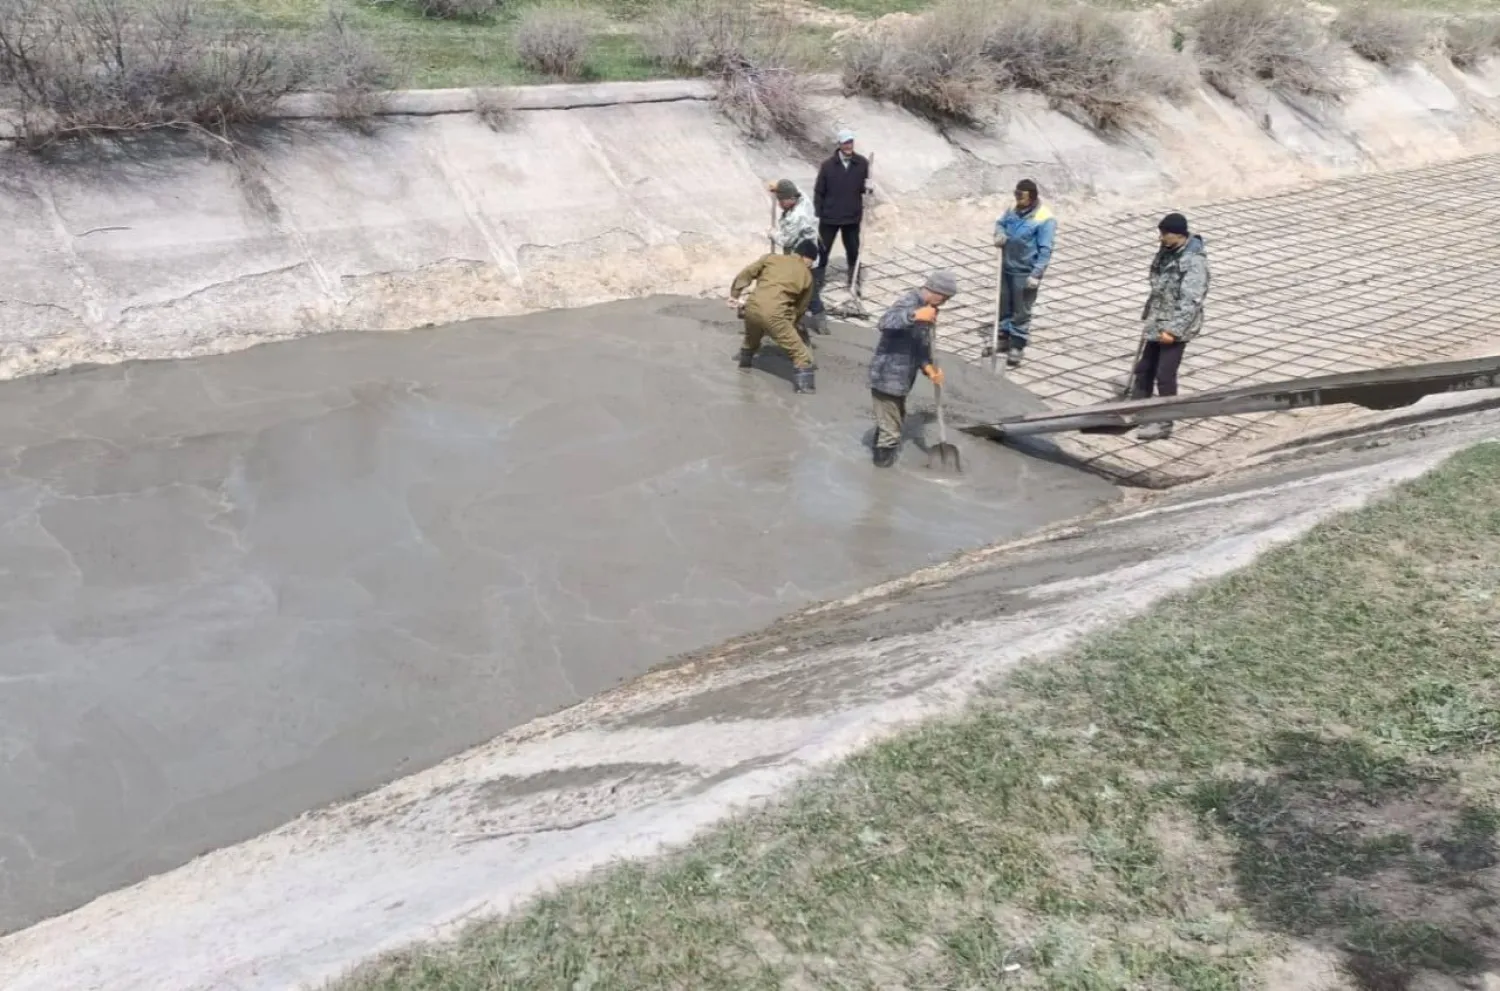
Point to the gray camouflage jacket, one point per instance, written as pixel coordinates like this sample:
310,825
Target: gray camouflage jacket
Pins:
905,346
1179,286
796,225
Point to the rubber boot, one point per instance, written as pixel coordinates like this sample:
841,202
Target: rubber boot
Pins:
747,358
884,457
802,380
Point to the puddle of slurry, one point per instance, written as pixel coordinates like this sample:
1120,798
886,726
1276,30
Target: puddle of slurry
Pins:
244,586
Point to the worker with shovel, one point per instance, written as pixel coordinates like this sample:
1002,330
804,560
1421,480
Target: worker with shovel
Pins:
905,348
794,225
1173,314
783,290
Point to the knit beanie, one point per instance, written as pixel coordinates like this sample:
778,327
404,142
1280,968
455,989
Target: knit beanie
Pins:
1173,223
786,189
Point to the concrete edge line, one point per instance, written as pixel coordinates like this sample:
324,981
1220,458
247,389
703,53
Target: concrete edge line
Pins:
552,96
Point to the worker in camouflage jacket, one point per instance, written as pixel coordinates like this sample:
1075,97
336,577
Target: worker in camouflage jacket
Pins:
797,224
1173,314
905,348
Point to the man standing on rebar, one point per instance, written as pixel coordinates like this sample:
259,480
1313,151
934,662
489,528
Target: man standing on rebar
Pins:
1024,235
839,202
905,348
783,290
1173,314
797,224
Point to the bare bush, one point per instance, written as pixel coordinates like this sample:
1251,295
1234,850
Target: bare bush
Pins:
495,107
345,65
1384,35
555,40
934,66
1471,40
458,10
950,64
1274,42
1080,57
751,53
77,67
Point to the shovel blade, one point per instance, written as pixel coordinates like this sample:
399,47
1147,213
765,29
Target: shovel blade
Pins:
944,457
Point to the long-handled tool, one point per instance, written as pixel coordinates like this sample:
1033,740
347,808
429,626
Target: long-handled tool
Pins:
1126,385
942,455
995,327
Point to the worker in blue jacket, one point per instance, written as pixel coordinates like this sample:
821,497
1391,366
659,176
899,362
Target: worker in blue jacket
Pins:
1024,236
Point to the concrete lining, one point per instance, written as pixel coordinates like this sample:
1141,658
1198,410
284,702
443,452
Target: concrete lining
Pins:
595,193
241,587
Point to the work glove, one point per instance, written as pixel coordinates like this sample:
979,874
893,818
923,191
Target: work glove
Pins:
925,314
1033,282
1000,239
934,373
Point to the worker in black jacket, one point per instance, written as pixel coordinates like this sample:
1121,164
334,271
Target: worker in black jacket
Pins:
839,202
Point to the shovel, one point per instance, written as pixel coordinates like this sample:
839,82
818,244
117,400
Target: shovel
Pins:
942,455
1126,386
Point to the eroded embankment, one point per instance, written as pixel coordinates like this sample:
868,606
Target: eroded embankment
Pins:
163,251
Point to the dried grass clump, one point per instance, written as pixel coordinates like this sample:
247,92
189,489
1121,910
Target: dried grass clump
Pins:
1081,58
752,54
76,68
1472,40
950,64
935,66
1384,35
351,70
1276,43
555,40
458,10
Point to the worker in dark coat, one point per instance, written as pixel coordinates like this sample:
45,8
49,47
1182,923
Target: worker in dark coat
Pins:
839,202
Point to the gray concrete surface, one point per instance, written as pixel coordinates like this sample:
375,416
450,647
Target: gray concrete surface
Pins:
655,760
236,588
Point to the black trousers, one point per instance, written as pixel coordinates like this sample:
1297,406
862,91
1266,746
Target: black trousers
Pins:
1158,367
826,235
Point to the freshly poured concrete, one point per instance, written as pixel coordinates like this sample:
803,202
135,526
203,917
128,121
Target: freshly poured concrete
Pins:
236,588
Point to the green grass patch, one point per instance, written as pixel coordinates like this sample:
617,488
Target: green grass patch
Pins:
1301,751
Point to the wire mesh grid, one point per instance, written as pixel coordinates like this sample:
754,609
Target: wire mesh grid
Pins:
1358,273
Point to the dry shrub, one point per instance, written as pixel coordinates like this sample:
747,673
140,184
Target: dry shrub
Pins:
750,52
934,66
555,40
81,67
1383,35
458,10
1080,57
355,74
1273,42
1471,40
496,108
951,63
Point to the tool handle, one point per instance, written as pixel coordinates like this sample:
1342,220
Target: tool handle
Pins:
995,327
942,424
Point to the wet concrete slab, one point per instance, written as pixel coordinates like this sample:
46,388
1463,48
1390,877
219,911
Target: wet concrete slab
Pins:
236,588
